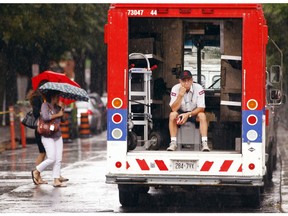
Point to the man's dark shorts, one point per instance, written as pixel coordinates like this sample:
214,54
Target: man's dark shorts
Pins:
192,119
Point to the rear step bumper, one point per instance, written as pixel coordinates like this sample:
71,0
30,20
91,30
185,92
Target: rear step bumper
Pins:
185,180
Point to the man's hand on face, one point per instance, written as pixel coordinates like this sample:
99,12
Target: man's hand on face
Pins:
182,90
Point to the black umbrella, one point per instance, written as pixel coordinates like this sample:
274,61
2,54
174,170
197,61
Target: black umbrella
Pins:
66,91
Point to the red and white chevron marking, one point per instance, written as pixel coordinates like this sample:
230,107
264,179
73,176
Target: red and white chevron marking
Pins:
225,166
206,166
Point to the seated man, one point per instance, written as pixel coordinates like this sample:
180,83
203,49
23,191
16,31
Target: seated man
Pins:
187,103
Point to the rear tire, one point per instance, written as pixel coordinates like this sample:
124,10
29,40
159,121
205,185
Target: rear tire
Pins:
132,140
128,195
144,189
251,197
155,140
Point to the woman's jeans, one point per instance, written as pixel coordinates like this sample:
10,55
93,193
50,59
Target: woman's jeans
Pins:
54,151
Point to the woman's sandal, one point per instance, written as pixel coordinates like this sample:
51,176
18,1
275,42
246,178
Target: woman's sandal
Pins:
41,181
35,180
62,179
59,185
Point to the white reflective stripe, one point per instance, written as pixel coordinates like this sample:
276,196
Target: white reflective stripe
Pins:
230,103
230,57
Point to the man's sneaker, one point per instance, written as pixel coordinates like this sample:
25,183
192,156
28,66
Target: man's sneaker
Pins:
205,147
172,146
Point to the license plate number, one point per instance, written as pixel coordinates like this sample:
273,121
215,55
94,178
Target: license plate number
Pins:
185,165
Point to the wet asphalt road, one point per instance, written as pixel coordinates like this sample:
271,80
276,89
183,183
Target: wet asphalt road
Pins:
84,164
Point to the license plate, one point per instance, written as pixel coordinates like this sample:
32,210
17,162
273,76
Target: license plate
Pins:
185,165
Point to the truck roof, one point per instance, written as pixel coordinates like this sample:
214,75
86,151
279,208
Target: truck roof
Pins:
200,6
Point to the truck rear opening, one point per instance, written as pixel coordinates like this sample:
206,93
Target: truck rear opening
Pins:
214,62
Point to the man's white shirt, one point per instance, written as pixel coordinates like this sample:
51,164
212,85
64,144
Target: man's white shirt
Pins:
191,100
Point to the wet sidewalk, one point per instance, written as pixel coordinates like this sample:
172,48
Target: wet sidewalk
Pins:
5,138
282,157
84,162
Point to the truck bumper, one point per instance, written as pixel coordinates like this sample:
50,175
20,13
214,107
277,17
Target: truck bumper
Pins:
185,180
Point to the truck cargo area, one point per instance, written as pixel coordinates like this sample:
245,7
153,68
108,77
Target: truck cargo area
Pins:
211,50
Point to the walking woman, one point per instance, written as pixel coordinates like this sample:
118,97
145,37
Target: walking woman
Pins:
54,143
35,99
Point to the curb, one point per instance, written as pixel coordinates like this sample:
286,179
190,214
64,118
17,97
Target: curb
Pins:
282,154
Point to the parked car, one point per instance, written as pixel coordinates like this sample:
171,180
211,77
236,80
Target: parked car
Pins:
104,98
94,115
101,106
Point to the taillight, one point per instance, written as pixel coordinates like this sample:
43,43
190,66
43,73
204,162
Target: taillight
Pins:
117,121
252,135
117,133
252,104
118,164
117,118
117,103
251,166
252,119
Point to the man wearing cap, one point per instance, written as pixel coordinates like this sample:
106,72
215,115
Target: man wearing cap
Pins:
187,104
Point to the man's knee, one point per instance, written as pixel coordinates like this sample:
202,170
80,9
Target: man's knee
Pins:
173,115
202,116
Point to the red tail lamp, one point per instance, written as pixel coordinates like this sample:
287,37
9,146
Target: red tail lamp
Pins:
251,166
118,164
252,119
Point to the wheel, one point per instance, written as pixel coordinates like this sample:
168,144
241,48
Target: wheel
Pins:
128,195
143,189
270,166
275,162
128,199
251,197
155,140
132,140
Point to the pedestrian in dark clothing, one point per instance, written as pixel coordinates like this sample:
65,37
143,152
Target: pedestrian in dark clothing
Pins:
36,101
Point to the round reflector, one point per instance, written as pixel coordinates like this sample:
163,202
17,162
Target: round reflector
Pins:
252,119
117,103
117,133
252,135
118,164
252,104
117,118
251,166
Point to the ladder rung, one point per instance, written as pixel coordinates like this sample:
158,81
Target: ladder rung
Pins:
138,93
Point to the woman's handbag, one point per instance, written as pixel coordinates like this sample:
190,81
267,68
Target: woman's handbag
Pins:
47,128
30,121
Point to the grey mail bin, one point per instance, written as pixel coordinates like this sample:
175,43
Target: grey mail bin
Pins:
188,137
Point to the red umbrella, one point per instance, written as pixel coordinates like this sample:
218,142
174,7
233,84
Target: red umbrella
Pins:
51,76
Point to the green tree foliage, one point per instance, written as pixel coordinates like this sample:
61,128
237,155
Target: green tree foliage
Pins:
277,16
50,29
39,33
